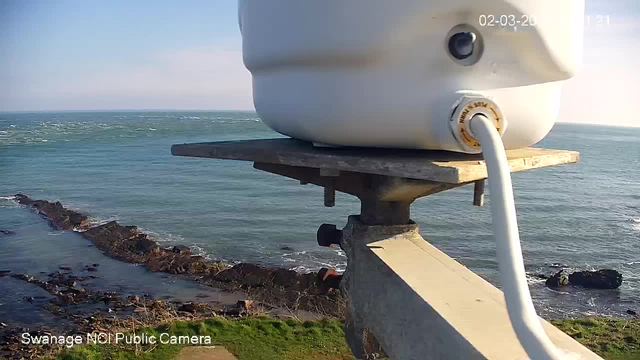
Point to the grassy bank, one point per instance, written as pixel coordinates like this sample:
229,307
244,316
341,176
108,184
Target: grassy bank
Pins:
267,338
250,338
613,339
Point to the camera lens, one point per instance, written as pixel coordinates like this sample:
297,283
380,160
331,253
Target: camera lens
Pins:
462,44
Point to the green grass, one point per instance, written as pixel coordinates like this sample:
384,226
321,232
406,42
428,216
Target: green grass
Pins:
613,339
266,338
251,338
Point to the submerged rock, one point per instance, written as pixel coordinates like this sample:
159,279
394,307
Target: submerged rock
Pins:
6,232
57,214
601,279
561,278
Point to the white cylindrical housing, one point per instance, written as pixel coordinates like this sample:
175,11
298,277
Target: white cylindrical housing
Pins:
380,73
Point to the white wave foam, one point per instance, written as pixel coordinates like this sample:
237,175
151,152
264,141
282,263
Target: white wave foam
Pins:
531,280
96,221
9,202
199,251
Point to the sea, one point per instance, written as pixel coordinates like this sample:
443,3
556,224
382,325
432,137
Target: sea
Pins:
118,166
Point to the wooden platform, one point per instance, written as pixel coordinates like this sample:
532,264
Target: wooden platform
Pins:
437,166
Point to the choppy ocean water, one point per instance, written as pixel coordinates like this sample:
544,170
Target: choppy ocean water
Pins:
117,165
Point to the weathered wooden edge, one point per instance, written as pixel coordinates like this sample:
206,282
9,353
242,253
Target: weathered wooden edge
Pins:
440,171
478,172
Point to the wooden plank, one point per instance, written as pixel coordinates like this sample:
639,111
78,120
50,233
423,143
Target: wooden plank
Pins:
439,166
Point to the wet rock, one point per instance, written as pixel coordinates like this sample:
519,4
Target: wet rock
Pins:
276,287
67,299
190,308
181,249
29,299
4,272
246,274
23,277
64,267
287,248
95,265
6,232
601,279
285,278
632,312
561,278
91,268
58,215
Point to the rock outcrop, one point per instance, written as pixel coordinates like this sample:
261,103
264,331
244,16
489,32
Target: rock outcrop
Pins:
561,278
275,287
58,215
601,279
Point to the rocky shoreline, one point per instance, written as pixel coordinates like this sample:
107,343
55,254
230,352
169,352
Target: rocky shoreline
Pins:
265,288
316,292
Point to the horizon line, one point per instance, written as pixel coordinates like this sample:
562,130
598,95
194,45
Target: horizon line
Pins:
236,110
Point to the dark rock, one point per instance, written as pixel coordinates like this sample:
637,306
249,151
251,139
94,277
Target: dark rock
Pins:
58,215
189,307
95,265
144,245
68,299
561,278
65,268
287,248
6,232
246,274
91,268
285,278
29,299
245,305
631,312
4,272
181,249
601,279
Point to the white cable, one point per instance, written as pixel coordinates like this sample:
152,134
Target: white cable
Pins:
523,315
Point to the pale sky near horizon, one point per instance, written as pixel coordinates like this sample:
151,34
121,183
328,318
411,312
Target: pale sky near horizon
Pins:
162,54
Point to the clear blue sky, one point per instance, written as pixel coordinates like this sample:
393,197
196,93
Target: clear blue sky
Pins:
141,54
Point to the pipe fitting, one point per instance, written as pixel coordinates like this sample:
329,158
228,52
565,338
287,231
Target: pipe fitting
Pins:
464,110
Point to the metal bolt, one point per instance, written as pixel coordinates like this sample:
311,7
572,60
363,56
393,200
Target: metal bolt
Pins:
329,196
478,193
